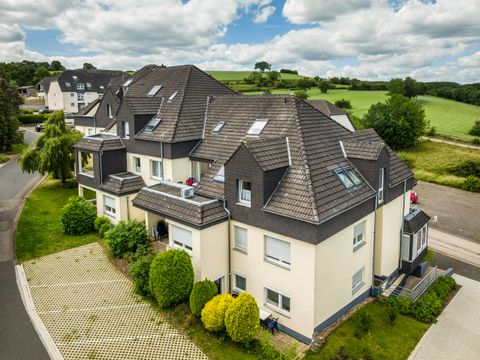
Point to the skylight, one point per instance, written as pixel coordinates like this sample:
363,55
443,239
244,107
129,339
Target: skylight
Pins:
152,124
218,127
67,83
257,127
173,96
348,177
75,77
128,82
102,87
89,85
220,177
154,90
353,176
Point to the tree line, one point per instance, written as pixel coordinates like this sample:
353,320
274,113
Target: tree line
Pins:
9,102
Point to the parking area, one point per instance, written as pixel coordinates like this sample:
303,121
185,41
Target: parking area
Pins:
90,312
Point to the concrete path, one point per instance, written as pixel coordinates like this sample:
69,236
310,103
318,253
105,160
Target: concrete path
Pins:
90,311
18,339
455,247
451,142
456,334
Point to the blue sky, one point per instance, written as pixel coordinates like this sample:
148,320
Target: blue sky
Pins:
368,39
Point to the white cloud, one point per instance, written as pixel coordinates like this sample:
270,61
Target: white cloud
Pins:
309,11
263,14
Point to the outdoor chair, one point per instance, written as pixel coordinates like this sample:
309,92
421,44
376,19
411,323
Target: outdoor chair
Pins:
272,324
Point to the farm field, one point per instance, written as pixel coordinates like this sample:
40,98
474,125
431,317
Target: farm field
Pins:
240,75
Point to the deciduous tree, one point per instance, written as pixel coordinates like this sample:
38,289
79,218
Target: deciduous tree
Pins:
262,66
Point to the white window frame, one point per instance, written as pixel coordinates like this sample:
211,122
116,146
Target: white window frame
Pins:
80,96
160,170
80,86
359,237
83,170
126,129
240,194
278,308
358,285
107,209
235,243
137,168
257,127
109,111
277,260
235,287
179,244
381,185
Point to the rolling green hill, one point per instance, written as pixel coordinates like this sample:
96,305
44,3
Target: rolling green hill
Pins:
240,75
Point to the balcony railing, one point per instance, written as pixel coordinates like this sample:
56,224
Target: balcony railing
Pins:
419,289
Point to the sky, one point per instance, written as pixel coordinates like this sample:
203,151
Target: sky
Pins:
430,40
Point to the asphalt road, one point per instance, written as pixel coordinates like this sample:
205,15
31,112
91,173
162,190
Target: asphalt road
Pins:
18,339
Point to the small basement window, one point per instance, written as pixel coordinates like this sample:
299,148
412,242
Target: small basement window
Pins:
257,127
152,124
218,127
173,96
154,90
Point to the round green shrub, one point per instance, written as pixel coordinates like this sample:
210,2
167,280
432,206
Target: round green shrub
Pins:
471,183
203,292
213,313
242,319
140,273
78,216
126,236
102,225
171,277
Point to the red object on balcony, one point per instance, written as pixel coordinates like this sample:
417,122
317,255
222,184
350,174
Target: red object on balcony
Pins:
413,197
190,181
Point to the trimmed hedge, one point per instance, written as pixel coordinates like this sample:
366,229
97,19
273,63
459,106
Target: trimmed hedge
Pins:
203,292
78,216
171,277
471,183
242,319
140,270
32,118
213,313
127,236
102,225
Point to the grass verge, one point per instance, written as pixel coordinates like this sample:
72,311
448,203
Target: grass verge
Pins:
383,342
40,231
432,161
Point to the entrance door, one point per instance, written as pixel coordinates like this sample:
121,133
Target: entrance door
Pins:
219,283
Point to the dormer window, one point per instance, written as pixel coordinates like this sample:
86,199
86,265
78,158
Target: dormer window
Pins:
152,124
348,177
218,127
257,127
244,192
173,96
80,86
68,84
154,90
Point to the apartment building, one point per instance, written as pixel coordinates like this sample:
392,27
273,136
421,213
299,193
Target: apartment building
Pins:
266,193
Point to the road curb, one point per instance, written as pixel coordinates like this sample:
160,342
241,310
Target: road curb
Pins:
37,323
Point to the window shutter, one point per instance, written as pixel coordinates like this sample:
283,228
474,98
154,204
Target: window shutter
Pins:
110,202
359,229
278,249
182,236
241,238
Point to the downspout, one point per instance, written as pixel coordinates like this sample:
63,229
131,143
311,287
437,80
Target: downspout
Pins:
374,238
401,228
229,275
161,160
94,125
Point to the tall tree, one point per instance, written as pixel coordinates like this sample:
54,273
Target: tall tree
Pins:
400,121
411,87
54,151
88,66
56,66
262,66
396,86
323,85
9,101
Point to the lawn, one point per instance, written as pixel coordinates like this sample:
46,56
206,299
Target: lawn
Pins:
240,75
432,160
384,341
451,118
39,230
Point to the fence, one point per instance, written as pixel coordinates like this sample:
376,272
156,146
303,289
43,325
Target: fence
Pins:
420,288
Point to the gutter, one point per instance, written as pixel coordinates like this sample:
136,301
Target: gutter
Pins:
229,247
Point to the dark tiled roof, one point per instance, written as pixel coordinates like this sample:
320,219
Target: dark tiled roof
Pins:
197,210
310,190
87,108
99,142
269,153
363,149
399,171
326,107
98,79
46,81
123,183
414,221
143,105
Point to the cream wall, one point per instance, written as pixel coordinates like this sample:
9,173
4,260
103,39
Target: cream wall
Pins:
68,100
298,282
88,130
55,96
335,264
173,169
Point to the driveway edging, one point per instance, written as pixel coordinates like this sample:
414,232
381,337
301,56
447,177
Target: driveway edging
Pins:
37,323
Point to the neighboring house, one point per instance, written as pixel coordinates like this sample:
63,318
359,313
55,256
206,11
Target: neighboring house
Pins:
287,204
72,90
334,112
28,90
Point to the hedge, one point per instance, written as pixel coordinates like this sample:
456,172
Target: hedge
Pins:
213,313
102,225
32,118
140,273
242,319
78,216
127,236
203,292
171,277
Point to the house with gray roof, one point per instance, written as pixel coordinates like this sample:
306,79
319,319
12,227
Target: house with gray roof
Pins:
266,193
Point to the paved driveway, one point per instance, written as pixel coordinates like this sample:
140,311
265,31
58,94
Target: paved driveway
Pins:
89,310
456,334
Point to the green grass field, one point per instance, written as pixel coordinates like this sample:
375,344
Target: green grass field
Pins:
40,231
240,75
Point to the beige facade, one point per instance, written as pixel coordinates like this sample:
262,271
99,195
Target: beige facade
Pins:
54,98
88,130
68,101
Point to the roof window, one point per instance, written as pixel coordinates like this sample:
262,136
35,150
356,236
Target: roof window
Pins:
101,87
173,96
218,127
348,177
89,85
67,84
152,124
75,77
154,90
257,127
